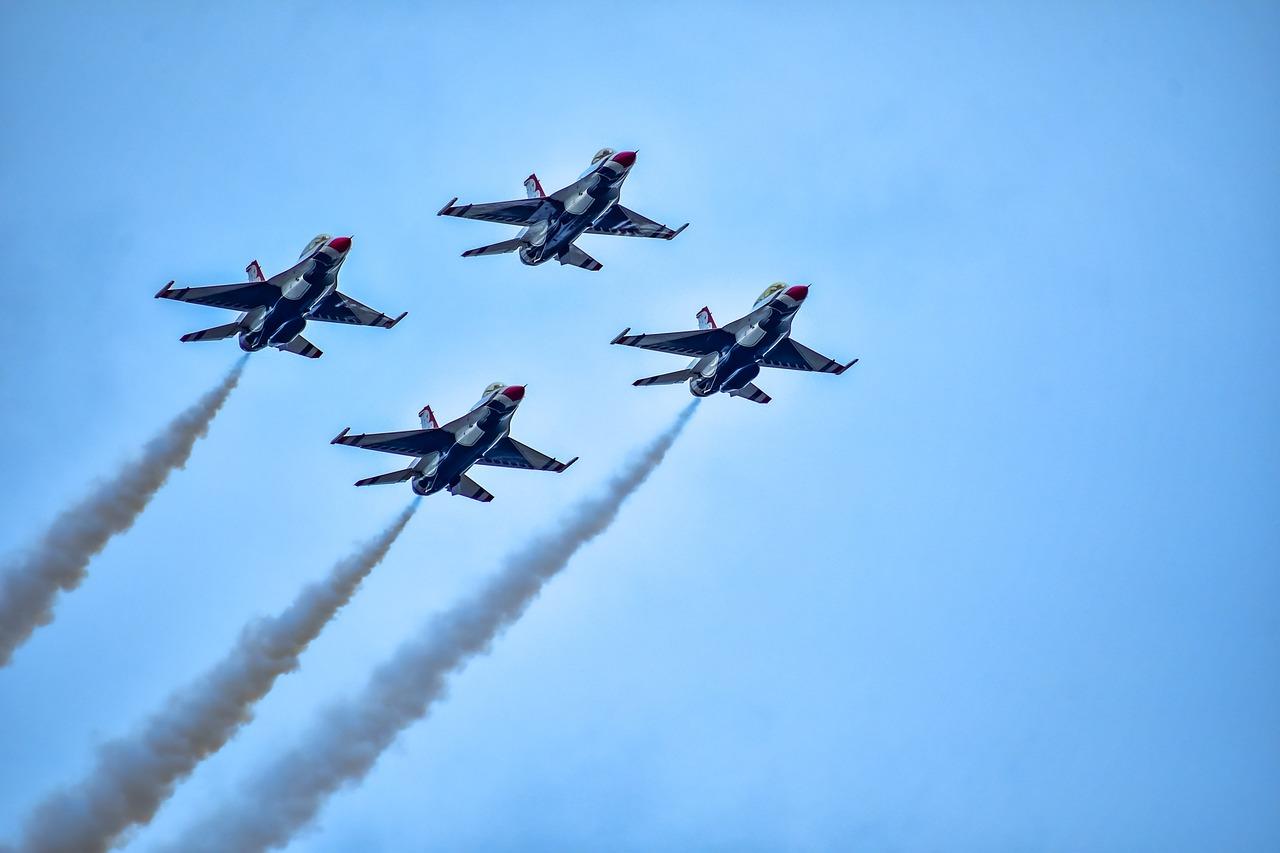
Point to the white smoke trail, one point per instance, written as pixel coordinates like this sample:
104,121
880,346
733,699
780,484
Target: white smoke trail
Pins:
60,559
346,741
135,774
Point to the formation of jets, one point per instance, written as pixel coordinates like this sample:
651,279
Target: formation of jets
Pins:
273,312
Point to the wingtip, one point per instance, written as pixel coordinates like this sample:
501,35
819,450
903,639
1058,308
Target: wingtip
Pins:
845,367
164,290
676,233
403,314
618,338
568,465
448,205
337,439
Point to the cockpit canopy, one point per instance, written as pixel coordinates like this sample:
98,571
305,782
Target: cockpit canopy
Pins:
316,242
601,155
491,389
769,293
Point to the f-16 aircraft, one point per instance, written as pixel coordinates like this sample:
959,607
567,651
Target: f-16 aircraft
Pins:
728,359
445,453
275,310
552,222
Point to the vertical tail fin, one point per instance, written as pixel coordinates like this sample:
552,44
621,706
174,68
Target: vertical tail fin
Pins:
705,320
533,187
428,418
255,271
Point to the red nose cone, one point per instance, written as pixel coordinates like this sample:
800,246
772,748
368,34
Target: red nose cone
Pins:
798,292
515,393
625,158
340,244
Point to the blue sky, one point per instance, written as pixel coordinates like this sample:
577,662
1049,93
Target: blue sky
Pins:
1011,583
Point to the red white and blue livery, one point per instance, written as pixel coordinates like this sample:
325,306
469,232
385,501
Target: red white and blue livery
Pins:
274,311
551,223
444,454
728,359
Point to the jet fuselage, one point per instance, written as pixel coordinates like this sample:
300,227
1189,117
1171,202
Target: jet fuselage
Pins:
737,364
588,199
283,321
489,424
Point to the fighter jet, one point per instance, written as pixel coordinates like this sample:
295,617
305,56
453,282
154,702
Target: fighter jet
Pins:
275,310
728,359
444,453
552,222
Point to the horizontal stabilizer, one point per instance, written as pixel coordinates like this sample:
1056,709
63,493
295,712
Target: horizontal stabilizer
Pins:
303,347
752,393
217,333
469,488
389,477
666,378
578,258
493,249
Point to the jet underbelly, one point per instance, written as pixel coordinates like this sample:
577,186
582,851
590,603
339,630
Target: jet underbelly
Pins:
750,335
296,289
469,435
536,234
580,202
429,464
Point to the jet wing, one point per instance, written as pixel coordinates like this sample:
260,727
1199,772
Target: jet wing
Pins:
790,355
410,442
523,211
509,453
340,308
237,297
622,222
697,343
